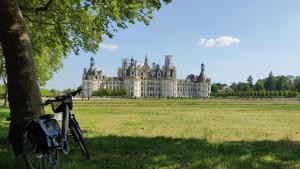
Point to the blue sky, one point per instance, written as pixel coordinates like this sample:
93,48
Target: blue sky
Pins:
233,38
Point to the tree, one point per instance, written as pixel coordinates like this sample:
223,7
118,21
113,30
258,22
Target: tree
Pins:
233,86
283,83
270,83
259,85
68,90
216,87
3,77
242,87
297,83
58,27
250,81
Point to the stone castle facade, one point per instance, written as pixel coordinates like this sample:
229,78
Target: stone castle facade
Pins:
146,81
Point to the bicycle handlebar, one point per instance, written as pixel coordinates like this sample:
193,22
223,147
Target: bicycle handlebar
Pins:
75,92
61,98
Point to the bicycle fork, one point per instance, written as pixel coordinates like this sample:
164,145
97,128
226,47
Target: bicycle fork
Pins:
65,125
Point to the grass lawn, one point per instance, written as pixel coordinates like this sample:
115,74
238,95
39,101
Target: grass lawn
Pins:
205,134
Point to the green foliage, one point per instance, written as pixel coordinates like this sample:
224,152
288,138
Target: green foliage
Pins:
49,93
108,92
2,90
259,85
283,83
250,81
255,94
58,27
297,83
68,90
216,87
272,86
270,83
242,87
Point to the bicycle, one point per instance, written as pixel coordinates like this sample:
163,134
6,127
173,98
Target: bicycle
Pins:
43,139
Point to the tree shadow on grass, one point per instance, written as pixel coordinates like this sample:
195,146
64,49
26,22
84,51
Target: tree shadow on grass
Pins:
162,152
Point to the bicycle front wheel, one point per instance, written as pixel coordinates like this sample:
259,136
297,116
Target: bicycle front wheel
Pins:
78,137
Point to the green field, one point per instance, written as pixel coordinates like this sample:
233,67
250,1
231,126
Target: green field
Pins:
216,134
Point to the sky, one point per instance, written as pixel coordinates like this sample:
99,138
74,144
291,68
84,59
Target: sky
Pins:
233,38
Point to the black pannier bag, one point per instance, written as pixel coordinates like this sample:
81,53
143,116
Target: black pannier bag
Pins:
47,134
44,133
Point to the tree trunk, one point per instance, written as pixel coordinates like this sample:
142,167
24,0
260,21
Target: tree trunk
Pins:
23,90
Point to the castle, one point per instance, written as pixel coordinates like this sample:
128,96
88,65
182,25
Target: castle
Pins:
146,81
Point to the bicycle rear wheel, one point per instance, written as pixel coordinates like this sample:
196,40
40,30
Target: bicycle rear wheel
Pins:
37,160
78,137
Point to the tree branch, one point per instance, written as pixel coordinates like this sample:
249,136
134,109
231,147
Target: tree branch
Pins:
44,8
32,21
38,9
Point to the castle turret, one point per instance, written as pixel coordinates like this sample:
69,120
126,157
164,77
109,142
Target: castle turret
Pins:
153,65
146,62
135,63
168,70
132,62
92,64
84,73
168,61
202,77
125,63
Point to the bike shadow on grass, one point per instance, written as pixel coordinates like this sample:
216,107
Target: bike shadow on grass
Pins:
164,152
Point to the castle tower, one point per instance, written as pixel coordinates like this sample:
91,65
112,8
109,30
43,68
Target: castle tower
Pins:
202,77
92,64
168,66
84,73
125,63
168,60
153,65
132,62
146,61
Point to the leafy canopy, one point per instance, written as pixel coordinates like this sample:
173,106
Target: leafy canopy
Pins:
58,27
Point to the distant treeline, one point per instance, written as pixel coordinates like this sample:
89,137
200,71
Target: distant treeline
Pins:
269,87
255,94
53,92
109,92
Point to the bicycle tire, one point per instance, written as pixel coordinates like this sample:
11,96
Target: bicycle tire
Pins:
78,137
37,161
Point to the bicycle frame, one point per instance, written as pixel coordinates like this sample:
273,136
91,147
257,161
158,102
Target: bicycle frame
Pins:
65,125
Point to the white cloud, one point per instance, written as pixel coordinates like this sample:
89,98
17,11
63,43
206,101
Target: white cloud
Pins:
109,47
221,41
